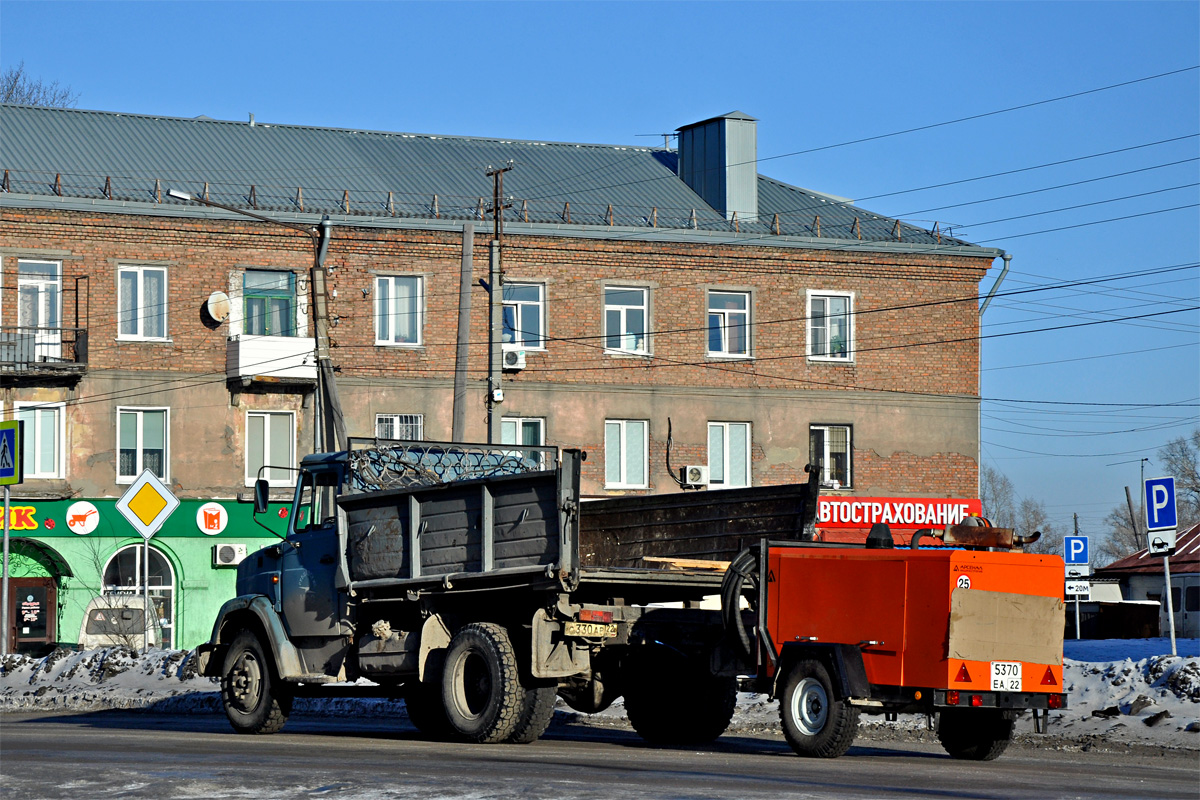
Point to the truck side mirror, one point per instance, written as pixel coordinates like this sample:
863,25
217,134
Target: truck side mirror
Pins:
261,490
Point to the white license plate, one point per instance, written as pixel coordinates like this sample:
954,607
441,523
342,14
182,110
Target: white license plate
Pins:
601,629
1006,676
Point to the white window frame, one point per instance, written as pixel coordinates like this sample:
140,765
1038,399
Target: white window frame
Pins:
519,422
166,476
400,421
809,326
32,434
518,305
622,481
724,326
725,483
826,479
393,313
645,307
139,312
290,480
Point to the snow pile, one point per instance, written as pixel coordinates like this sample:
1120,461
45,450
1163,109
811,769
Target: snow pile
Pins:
1120,692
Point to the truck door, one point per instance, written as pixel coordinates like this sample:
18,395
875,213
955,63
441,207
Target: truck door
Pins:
309,600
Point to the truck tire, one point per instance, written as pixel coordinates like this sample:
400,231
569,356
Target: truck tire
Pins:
815,724
537,709
250,690
672,699
974,735
481,685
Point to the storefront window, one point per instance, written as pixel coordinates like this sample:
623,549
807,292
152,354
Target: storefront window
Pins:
123,575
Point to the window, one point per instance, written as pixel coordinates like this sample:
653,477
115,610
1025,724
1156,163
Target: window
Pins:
625,453
523,315
141,442
1191,598
271,447
43,446
829,445
124,574
729,454
625,319
399,303
525,430
829,326
405,427
270,298
39,310
142,302
728,323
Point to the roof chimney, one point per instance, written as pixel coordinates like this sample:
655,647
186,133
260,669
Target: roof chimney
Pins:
718,159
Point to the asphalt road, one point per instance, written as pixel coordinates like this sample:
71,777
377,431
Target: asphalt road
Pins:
130,755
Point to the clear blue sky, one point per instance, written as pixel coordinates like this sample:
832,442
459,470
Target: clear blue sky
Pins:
815,74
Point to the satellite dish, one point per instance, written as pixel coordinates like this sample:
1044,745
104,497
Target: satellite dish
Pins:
218,306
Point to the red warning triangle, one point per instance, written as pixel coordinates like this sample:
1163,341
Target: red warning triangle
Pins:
963,675
1048,678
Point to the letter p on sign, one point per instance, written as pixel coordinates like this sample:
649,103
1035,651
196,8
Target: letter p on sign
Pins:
1160,504
1075,549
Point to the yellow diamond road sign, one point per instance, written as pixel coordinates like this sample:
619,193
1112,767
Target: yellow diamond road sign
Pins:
147,503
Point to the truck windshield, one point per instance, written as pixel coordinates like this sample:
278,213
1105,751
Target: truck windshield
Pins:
315,500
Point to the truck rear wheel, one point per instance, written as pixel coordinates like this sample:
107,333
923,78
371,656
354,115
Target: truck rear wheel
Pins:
481,686
974,735
672,699
537,709
250,690
815,724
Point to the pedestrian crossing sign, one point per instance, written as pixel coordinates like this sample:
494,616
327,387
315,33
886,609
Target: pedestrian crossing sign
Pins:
10,453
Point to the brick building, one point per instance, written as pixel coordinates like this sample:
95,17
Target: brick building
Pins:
645,292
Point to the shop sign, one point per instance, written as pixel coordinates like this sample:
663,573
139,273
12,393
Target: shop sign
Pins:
82,518
211,518
896,512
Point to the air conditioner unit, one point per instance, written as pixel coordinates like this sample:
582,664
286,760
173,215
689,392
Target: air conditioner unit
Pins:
514,360
694,475
228,555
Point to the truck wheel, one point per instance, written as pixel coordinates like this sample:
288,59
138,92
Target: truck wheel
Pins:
481,687
537,709
678,702
423,702
814,723
973,735
250,690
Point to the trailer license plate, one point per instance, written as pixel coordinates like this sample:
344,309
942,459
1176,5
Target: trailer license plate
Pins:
1006,676
601,629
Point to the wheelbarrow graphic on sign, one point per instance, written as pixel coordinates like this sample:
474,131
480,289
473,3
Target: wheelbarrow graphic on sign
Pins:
80,520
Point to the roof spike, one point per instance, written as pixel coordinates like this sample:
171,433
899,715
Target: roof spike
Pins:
692,220
654,217
482,214
6,183
391,206
525,210
896,230
253,196
566,215
346,200
437,212
300,197
157,189
58,184
107,185
736,227
609,217
206,190
857,229
775,225
937,232
817,225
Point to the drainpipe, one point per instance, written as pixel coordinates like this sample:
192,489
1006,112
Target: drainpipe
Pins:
999,280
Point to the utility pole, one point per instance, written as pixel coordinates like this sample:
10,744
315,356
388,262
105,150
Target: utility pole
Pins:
495,395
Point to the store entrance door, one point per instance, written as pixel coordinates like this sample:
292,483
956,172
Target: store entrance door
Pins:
32,614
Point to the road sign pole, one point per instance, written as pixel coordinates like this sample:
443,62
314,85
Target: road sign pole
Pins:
4,590
1170,603
1078,635
146,600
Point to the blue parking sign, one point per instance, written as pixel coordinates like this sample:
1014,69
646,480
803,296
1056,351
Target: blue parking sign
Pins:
1160,504
1075,550
10,453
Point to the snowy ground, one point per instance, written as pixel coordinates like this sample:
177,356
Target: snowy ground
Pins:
1122,693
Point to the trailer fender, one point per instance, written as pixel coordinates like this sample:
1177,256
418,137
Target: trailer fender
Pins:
844,662
435,637
249,612
553,655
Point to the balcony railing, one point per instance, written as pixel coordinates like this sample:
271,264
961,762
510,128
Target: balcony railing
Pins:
26,350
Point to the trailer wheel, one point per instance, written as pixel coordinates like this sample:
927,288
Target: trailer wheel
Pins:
973,735
481,687
676,700
537,709
815,724
250,690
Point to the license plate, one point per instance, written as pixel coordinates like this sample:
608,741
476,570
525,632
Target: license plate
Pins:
1006,676
600,629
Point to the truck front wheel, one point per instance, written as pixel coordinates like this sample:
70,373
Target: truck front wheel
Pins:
481,685
250,690
974,735
815,724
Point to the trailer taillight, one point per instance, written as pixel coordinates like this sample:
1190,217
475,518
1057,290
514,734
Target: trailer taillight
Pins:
952,697
976,700
1054,701
1048,678
594,615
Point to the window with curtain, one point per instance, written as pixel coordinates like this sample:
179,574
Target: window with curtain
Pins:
43,443
829,445
141,442
728,323
271,443
403,427
626,443
829,326
729,454
399,305
142,302
625,318
270,302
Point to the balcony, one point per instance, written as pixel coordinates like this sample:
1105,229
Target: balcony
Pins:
271,359
30,352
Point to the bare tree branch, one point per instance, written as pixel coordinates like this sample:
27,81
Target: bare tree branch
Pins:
19,87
